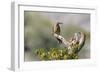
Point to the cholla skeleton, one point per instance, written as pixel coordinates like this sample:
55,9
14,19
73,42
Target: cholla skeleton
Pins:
77,40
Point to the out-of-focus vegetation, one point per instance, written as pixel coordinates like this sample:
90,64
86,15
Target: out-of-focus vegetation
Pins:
38,34
55,54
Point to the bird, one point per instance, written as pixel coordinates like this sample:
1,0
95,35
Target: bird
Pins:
56,30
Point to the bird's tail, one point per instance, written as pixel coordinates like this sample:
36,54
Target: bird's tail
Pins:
59,41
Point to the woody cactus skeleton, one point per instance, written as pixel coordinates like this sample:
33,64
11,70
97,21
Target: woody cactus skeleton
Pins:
71,50
76,42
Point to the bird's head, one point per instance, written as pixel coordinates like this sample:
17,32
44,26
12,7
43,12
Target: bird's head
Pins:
59,23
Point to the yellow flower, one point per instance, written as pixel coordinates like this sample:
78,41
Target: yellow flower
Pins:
65,57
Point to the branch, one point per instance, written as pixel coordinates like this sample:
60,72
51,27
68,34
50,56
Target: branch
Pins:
66,43
78,37
82,40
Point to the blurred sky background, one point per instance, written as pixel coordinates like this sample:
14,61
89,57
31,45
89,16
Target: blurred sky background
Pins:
38,31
